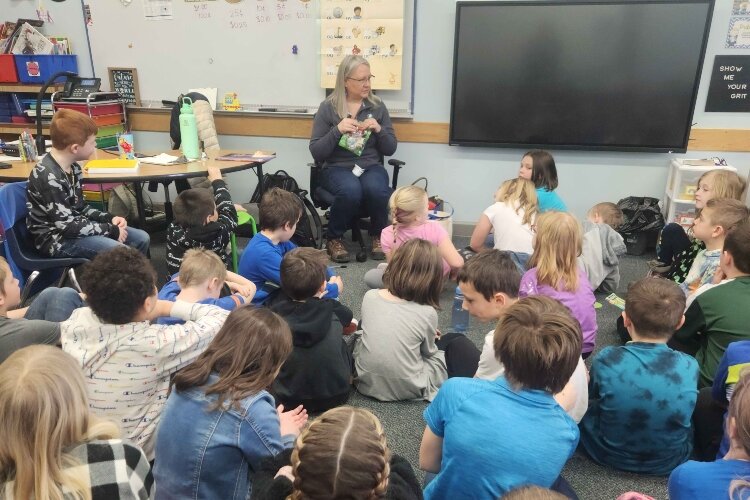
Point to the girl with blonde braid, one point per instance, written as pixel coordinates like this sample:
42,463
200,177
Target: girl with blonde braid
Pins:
342,454
409,208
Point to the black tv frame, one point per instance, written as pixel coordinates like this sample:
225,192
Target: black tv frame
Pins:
582,147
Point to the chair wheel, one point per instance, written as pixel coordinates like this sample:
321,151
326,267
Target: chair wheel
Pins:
361,256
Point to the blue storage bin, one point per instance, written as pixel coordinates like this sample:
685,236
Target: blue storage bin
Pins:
38,68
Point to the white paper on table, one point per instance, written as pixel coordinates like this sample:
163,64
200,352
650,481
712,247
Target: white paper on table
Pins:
10,158
161,159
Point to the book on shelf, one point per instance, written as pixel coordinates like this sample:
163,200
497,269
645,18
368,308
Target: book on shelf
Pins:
31,41
256,156
111,166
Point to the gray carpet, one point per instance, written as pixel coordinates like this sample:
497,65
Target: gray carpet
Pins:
403,420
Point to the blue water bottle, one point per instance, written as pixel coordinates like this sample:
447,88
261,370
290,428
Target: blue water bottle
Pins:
459,315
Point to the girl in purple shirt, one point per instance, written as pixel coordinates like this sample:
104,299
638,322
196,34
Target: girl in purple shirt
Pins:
554,272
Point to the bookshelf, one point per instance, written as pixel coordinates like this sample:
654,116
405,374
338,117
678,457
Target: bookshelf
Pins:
27,88
11,130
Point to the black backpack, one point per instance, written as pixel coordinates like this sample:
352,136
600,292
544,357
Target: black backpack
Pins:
309,231
174,119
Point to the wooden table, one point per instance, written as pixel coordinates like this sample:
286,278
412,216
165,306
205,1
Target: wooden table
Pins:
20,171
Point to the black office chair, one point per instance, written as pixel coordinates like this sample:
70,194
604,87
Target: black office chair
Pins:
323,200
20,245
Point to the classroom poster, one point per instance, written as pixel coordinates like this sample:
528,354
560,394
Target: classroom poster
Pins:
738,36
373,29
741,8
157,10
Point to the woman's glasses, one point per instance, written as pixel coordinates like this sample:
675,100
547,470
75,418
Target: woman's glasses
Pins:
362,81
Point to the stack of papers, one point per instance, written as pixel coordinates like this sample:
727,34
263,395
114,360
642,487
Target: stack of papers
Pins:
164,159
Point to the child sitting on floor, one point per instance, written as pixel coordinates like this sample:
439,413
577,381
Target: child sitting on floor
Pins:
602,247
60,221
202,219
409,214
719,315
128,362
698,480
642,394
396,357
36,324
489,282
318,372
554,272
51,443
718,217
510,220
538,166
280,211
201,279
219,422
675,251
342,453
484,438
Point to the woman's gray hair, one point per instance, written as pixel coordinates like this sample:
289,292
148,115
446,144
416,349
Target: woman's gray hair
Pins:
338,96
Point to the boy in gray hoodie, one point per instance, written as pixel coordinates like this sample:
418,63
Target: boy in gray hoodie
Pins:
602,247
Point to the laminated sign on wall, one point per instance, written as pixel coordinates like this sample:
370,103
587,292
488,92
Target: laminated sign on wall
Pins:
374,31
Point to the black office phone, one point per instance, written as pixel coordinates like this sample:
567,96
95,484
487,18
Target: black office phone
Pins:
78,89
10,150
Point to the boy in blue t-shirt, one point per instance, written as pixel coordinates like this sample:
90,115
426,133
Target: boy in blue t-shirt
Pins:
280,211
642,394
698,480
484,438
200,280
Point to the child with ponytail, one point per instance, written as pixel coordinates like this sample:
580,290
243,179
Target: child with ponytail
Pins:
409,208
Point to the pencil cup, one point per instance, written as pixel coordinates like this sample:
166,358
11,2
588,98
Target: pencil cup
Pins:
125,146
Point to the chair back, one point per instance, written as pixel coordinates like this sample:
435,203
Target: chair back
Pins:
12,210
19,248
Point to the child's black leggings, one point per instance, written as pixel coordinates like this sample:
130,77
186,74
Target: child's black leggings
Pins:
672,241
461,355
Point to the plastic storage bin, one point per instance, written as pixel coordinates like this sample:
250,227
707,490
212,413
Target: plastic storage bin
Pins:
8,73
38,68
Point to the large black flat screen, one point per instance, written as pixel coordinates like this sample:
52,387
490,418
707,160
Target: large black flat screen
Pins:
608,75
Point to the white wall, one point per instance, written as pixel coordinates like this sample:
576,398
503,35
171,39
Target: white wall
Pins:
467,177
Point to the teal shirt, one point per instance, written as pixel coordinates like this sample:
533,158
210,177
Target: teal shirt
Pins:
641,398
549,200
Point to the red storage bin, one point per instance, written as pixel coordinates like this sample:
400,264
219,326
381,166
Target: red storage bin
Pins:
38,68
96,109
8,72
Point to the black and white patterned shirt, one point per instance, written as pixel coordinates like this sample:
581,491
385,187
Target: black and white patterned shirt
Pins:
214,236
115,470
57,210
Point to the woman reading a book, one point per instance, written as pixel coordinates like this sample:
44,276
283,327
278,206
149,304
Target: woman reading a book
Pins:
351,134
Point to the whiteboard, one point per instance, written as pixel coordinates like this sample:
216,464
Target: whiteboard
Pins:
242,46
